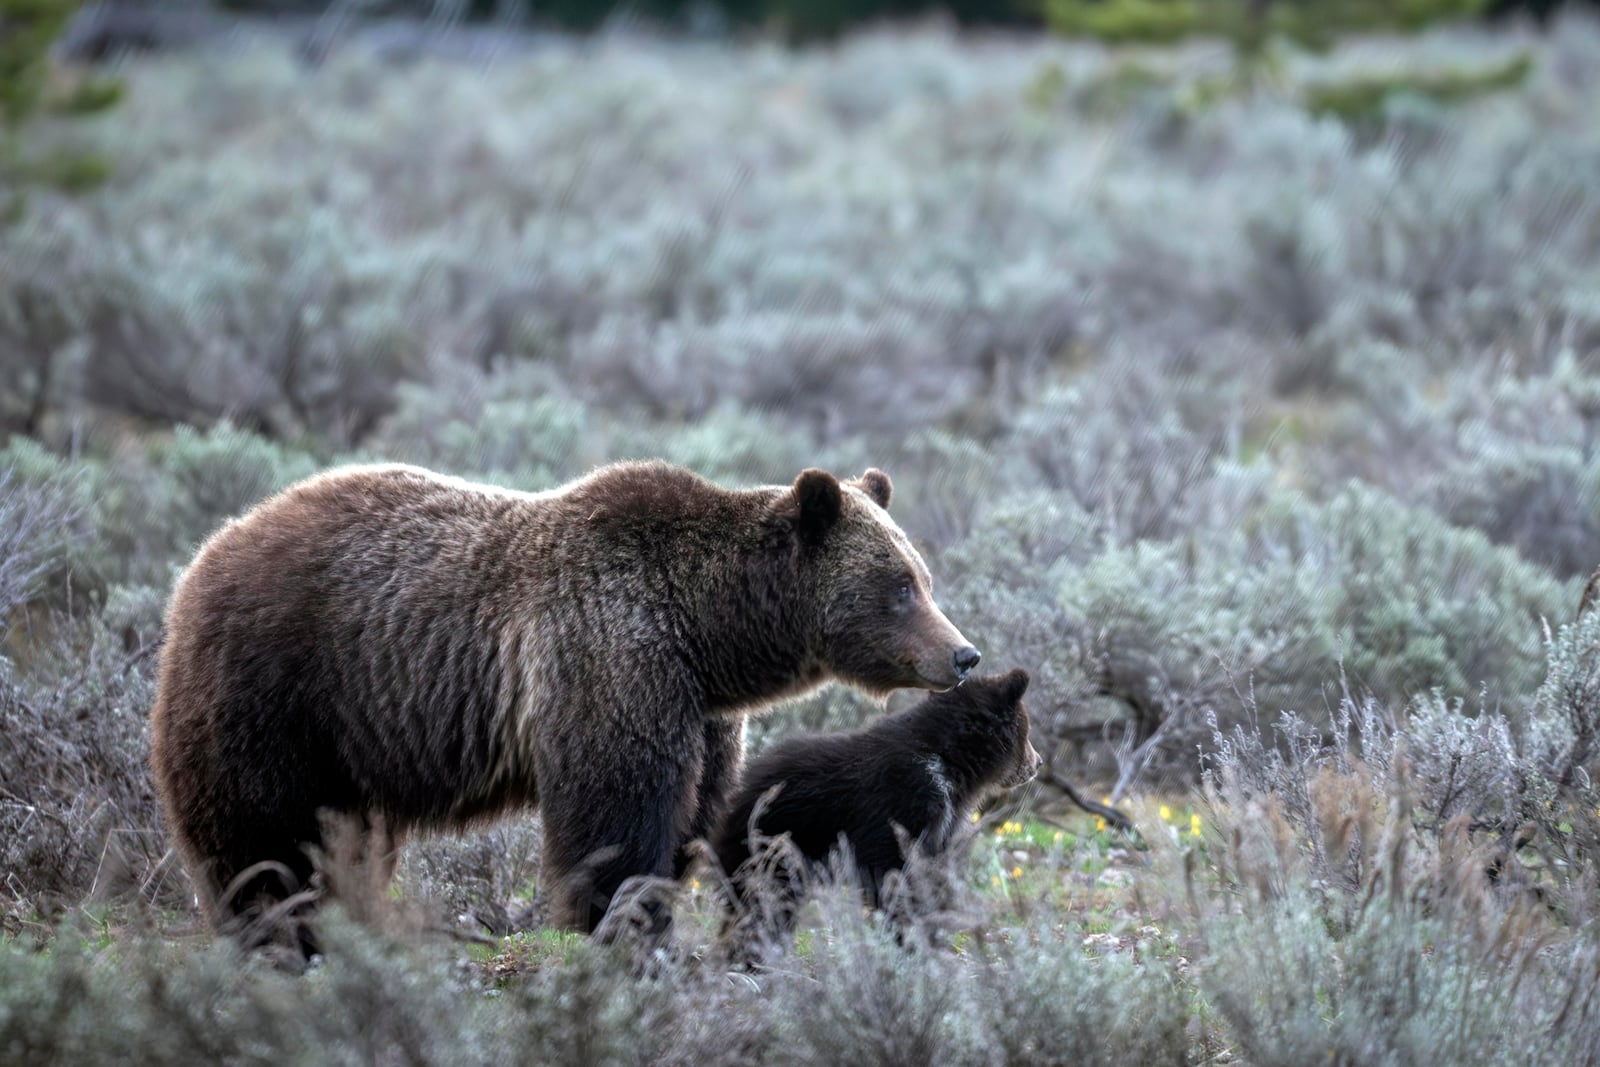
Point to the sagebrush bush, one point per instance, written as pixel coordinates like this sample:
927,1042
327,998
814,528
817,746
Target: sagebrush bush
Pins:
1386,895
875,1001
486,882
1417,604
1050,1002
1268,600
1404,985
78,814
51,527
1564,713
30,520
850,242
1432,789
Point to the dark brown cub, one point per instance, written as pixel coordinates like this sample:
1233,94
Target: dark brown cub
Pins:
918,772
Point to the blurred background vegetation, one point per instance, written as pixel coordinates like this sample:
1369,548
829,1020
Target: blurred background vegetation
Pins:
1237,364
1109,19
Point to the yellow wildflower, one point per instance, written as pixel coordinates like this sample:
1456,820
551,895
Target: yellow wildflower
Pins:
1016,872
1166,813
996,879
1099,822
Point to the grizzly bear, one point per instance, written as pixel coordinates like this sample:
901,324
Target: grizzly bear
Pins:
413,651
908,779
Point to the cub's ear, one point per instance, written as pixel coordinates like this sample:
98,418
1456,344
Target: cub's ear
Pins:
1014,683
877,485
818,499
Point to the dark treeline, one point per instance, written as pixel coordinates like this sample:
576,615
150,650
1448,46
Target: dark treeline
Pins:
112,27
804,18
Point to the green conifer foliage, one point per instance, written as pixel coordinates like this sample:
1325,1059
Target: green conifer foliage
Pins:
1258,30
1249,24
33,90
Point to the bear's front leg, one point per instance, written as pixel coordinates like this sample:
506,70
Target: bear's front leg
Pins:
724,756
611,801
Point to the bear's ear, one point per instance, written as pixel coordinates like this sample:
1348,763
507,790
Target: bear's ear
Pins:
1013,684
877,485
818,499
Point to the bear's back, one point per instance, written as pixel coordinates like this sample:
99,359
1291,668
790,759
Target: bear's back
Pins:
354,619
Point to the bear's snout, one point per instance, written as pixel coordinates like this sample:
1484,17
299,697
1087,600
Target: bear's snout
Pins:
944,667
965,659
944,657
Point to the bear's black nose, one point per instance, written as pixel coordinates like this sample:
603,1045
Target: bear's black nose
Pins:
965,659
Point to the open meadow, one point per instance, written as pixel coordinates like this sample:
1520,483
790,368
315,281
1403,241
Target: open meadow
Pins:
1261,427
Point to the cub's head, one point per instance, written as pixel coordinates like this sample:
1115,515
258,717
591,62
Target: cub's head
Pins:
869,598
979,732
1014,760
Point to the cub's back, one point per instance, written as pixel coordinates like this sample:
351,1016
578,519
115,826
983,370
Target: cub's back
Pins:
855,784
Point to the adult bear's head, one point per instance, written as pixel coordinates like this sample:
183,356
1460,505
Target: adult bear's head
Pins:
872,617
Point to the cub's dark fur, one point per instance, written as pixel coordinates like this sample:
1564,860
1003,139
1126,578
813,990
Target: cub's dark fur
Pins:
921,770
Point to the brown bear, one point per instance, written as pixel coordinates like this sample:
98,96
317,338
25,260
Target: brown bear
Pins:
916,773
416,651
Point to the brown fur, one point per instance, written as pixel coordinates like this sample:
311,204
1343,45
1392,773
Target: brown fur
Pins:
420,651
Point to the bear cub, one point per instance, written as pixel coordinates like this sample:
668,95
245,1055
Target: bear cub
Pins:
916,773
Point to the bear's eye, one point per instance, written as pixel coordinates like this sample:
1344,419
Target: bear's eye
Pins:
906,593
